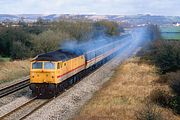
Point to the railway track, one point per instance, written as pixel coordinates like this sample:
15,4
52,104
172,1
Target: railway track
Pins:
67,109
13,88
29,107
26,109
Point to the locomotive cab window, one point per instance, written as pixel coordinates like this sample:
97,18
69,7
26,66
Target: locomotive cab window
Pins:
49,65
37,65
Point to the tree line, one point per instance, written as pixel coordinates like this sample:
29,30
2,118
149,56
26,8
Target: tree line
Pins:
25,42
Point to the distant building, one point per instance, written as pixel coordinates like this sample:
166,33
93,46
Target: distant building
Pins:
15,25
30,24
176,24
141,25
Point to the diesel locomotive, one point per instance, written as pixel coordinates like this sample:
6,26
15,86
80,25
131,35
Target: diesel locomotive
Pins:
54,71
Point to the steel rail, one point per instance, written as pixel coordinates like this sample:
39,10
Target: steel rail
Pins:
13,88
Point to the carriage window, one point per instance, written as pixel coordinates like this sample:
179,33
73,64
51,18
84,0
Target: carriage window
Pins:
37,65
49,65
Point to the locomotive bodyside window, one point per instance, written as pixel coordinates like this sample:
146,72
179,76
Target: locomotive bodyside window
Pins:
49,65
37,65
58,66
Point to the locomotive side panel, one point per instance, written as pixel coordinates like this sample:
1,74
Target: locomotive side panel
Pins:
71,67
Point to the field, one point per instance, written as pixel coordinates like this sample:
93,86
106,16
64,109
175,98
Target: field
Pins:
11,70
170,32
126,95
170,29
171,36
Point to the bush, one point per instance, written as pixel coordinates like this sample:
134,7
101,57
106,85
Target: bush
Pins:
20,50
107,28
48,41
174,104
175,82
149,112
163,79
163,99
166,55
154,32
10,39
79,30
170,78
160,97
35,29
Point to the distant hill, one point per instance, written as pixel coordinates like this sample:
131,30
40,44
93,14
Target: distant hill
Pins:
4,17
133,19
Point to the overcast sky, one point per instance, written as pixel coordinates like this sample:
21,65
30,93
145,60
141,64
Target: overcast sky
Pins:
99,7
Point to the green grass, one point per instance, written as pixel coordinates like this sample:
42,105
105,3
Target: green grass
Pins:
170,29
170,33
170,36
4,59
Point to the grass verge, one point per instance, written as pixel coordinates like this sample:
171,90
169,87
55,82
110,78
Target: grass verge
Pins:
13,70
125,95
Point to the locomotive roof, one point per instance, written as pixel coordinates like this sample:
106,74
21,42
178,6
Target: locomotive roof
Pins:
58,55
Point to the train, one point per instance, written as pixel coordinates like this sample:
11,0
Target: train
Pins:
54,71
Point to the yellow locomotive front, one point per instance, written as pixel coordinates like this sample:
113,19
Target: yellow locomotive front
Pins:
49,72
43,72
43,76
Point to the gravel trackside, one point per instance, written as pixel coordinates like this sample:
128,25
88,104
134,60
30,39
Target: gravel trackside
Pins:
12,97
66,105
13,105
